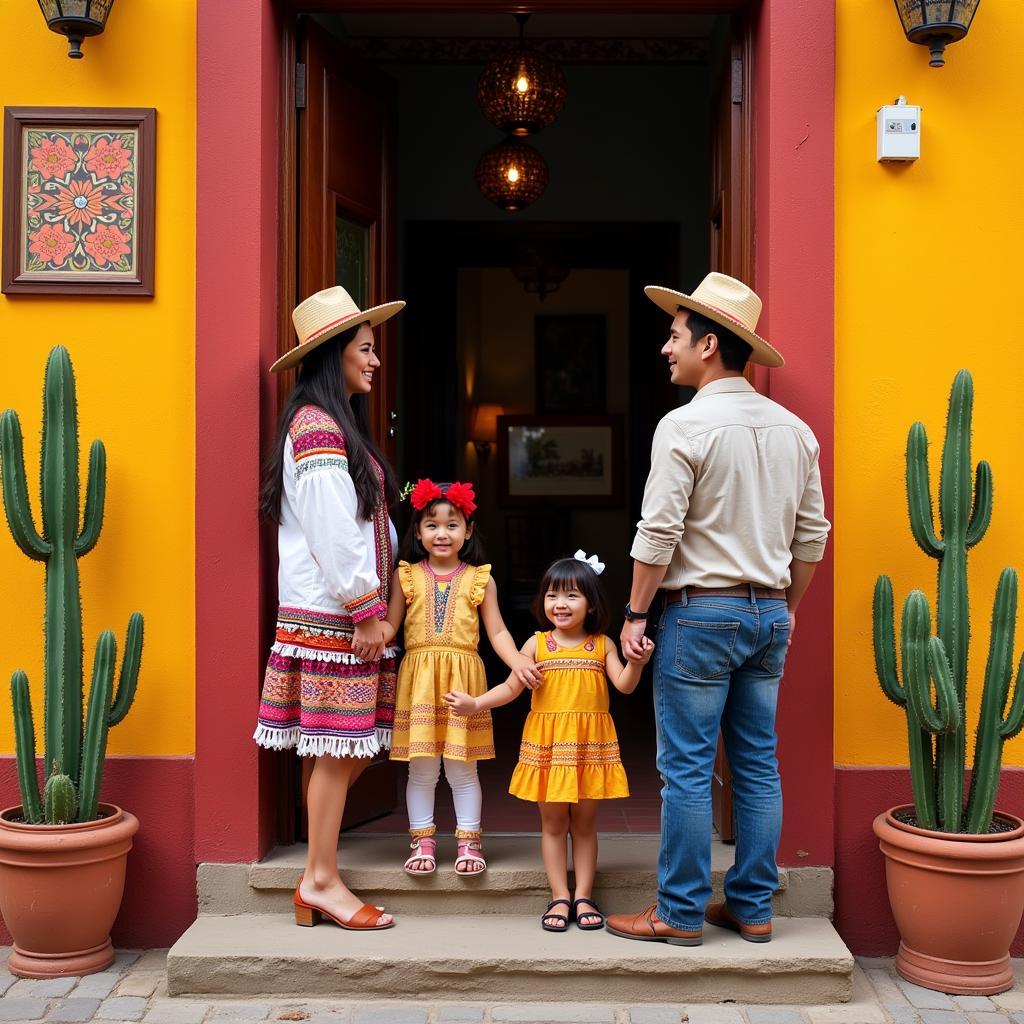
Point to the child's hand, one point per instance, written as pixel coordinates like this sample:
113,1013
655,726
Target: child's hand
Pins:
460,703
646,650
526,671
389,632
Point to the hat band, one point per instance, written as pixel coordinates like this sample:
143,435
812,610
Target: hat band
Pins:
728,316
323,330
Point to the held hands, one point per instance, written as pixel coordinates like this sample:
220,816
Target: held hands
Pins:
631,640
368,639
646,650
461,703
526,671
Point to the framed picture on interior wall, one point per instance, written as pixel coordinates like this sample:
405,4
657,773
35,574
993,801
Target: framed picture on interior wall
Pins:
565,460
79,188
570,356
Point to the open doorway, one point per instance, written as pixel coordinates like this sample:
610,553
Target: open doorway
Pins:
647,183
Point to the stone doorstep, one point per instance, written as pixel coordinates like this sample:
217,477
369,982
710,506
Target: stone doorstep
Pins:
505,957
514,882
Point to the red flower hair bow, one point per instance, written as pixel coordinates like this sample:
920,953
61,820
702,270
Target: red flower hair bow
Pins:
423,494
463,497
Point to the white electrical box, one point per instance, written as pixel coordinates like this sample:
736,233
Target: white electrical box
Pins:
899,131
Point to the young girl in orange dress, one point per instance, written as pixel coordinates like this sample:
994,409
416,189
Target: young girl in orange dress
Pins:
569,758
442,597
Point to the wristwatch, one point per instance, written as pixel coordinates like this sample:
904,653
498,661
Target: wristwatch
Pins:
634,616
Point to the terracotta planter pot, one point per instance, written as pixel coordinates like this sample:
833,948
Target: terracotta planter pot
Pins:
60,890
957,900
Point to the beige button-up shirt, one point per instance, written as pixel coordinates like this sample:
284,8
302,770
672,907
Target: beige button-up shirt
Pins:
734,492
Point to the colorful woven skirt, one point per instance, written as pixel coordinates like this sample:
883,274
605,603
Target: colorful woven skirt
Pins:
321,699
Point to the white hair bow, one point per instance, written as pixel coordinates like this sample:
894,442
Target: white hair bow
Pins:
592,561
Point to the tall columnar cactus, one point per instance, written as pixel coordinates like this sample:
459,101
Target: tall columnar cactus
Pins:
937,731
59,545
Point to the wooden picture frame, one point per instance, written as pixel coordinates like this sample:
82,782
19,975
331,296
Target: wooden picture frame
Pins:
570,354
573,461
79,200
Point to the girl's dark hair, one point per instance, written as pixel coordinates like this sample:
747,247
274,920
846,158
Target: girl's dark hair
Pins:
572,574
320,383
412,550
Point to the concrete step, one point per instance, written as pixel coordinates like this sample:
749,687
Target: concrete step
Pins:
501,957
514,882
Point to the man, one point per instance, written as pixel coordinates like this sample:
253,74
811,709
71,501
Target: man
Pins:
732,527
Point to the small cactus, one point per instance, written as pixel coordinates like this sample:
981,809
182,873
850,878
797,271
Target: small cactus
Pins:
60,799
937,732
67,534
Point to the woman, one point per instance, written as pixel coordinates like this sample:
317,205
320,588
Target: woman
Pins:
329,688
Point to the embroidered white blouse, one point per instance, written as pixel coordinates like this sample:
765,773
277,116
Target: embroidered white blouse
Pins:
330,559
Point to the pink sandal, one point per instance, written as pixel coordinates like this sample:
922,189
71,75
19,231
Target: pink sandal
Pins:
423,848
470,855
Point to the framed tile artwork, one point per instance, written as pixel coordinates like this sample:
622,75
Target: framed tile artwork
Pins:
79,190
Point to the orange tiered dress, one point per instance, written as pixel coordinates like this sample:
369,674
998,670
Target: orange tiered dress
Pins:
569,750
442,633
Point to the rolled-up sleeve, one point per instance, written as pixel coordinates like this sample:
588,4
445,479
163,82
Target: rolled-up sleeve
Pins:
666,496
811,530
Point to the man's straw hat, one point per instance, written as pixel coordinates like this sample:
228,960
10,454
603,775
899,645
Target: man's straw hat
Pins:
325,314
726,301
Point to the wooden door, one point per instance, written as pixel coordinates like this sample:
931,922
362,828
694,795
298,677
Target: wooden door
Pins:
731,253
345,234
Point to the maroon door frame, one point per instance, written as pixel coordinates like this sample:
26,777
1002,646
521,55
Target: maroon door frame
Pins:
239,70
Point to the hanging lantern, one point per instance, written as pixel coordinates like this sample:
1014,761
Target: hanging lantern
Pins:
936,23
521,92
76,19
512,175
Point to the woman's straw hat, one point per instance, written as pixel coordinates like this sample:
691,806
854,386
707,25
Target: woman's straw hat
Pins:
325,314
726,301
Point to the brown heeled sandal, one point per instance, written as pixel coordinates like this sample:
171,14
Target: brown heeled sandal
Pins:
363,920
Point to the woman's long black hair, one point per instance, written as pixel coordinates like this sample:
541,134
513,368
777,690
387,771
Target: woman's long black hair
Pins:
320,383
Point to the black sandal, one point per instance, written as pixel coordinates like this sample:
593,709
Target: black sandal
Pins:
596,912
557,917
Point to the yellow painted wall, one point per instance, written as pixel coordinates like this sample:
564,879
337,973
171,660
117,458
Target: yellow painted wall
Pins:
928,280
134,362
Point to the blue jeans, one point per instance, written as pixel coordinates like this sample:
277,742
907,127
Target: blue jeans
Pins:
718,663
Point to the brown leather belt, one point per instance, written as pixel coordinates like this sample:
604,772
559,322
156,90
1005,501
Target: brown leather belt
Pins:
673,596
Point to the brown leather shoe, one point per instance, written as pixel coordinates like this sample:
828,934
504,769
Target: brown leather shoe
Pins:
721,916
648,927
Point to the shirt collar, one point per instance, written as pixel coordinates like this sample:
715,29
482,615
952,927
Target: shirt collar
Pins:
724,386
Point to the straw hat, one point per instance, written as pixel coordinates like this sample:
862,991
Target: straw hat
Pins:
325,314
726,301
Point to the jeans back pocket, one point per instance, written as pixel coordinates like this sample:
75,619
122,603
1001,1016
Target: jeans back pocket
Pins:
774,659
704,649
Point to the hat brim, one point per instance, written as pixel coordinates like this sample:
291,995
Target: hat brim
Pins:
670,300
372,316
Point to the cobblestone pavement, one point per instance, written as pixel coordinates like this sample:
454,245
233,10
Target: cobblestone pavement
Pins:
135,989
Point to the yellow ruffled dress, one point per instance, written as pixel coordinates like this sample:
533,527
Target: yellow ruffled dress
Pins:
569,750
442,634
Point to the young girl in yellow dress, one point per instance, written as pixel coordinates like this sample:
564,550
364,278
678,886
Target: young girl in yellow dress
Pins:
442,597
569,758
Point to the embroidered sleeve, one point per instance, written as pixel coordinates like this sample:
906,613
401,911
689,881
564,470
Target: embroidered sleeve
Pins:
327,508
481,575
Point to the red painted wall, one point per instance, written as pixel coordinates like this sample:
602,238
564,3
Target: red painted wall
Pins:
160,886
862,915
238,63
794,68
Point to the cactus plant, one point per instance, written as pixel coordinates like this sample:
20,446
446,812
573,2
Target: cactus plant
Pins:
75,755
937,733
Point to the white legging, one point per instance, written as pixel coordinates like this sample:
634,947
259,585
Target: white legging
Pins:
465,786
